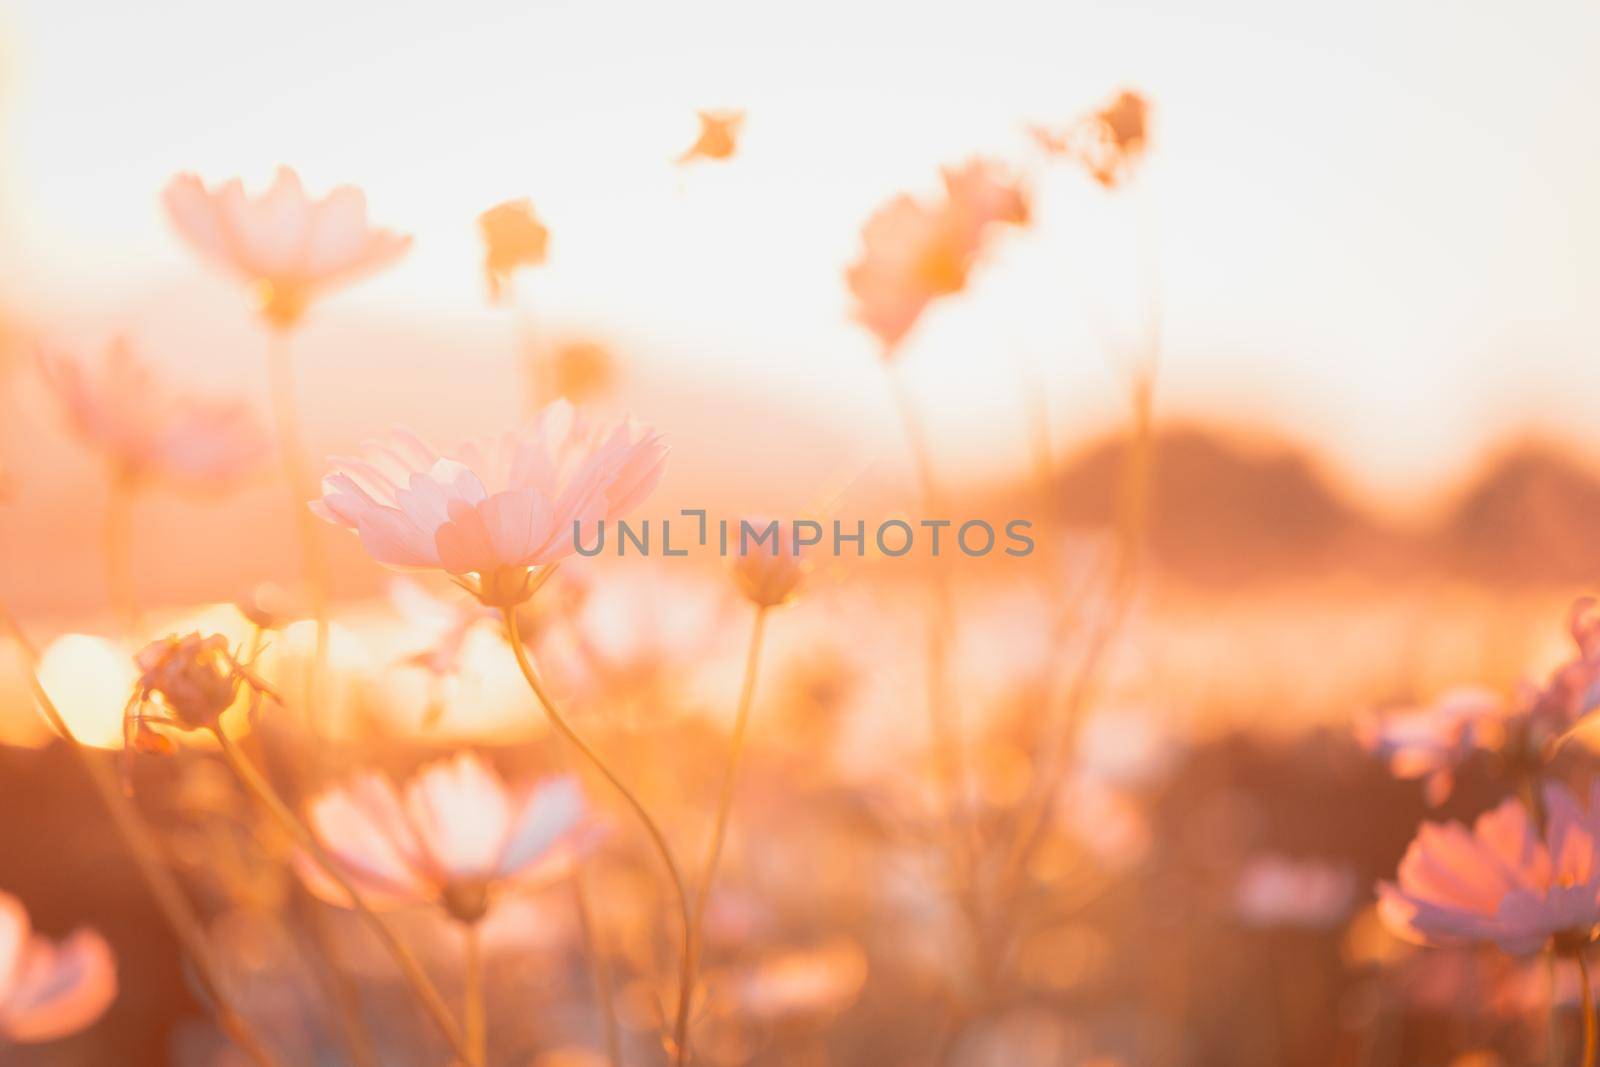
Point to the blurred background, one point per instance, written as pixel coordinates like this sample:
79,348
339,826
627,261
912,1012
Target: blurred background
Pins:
1365,232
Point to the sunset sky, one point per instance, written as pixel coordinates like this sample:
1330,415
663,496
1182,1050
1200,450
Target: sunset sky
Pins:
1375,221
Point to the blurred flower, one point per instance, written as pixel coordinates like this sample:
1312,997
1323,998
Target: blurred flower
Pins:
1279,891
581,370
768,575
1431,741
915,252
1109,143
1572,690
291,247
821,980
1501,882
456,837
197,679
981,193
513,237
493,508
49,991
719,136
146,431
638,629
446,624
266,607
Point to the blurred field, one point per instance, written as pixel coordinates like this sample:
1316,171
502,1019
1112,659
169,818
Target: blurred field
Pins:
326,748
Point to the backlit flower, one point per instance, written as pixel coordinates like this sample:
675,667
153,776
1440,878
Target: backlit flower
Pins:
1431,741
290,246
444,624
455,837
719,136
497,508
914,252
769,570
1279,891
806,982
580,370
48,991
981,193
513,238
1501,881
147,431
186,682
1109,143
1544,712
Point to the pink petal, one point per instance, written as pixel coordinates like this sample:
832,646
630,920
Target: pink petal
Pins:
462,814
59,991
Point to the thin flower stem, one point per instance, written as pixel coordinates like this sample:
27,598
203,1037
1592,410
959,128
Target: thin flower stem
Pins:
1132,519
163,886
1591,1025
944,727
657,838
604,990
119,551
302,488
427,994
341,987
946,737
474,1013
730,776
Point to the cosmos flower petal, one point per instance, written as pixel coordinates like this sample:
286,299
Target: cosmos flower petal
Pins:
59,990
548,814
462,814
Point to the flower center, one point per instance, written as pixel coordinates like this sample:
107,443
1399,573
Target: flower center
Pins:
466,901
504,587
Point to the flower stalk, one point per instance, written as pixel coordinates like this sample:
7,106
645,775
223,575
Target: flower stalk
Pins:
297,475
164,888
1591,1025
474,1014
730,775
652,828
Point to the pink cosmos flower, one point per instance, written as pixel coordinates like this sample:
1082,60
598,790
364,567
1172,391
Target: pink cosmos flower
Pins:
291,247
49,991
1501,881
1431,741
1279,891
455,837
496,508
915,252
148,432
1546,711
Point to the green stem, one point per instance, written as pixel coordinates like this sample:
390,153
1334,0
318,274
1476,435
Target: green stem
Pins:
657,838
427,994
